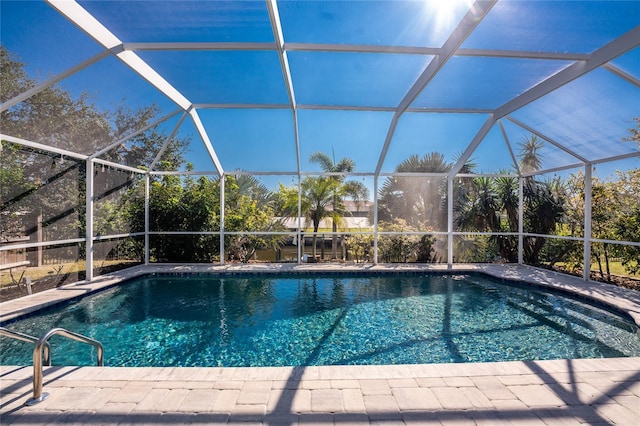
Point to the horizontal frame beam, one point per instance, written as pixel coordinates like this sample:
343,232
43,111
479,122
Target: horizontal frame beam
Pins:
6,247
351,48
320,107
43,147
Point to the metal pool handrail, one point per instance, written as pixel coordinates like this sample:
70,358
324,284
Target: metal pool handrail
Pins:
27,338
38,395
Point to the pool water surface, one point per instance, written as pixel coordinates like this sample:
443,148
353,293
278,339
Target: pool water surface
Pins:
209,320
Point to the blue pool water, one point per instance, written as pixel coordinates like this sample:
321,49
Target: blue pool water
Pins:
315,320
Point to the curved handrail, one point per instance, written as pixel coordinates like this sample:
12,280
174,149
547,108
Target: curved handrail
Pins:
38,395
30,339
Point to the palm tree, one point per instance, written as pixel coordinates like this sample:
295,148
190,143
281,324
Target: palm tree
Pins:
544,208
253,188
530,158
491,204
317,203
544,200
344,189
417,200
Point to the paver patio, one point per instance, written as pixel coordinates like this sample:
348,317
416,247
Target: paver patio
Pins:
595,391
584,391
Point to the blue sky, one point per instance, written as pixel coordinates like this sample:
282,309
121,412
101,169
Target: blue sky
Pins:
590,114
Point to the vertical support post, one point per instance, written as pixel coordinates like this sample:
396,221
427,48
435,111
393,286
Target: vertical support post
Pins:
588,172
89,221
222,219
520,219
39,238
146,218
450,221
300,240
375,219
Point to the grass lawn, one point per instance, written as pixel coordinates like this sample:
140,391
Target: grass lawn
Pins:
615,268
61,269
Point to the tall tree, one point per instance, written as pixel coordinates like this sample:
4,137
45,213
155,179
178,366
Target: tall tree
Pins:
46,198
416,200
343,189
634,133
316,202
615,215
52,205
530,157
491,205
249,207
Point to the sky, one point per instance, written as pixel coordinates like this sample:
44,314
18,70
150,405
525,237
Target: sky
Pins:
589,115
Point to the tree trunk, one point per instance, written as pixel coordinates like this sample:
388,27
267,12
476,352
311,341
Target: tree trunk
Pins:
606,260
535,245
599,264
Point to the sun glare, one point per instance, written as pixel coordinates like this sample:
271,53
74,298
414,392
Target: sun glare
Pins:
445,12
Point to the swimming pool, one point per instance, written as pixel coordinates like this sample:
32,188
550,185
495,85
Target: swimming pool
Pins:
315,319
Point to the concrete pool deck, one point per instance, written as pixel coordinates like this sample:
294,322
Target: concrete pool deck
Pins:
584,391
